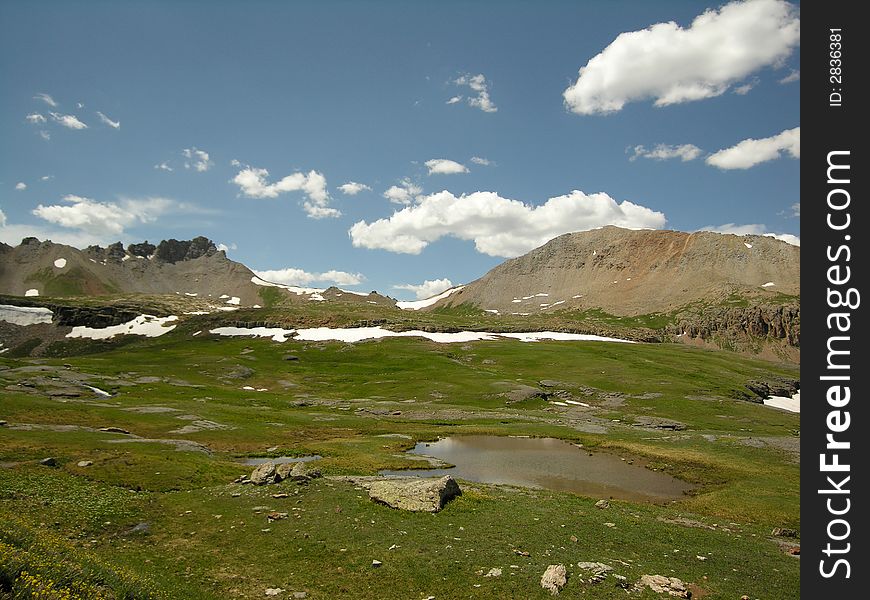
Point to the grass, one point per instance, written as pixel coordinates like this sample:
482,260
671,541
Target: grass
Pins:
205,540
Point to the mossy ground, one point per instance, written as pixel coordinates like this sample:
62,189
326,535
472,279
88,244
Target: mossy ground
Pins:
204,541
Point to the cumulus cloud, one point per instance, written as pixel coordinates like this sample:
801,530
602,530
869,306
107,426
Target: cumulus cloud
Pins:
443,166
498,226
796,209
35,118
479,160
795,75
198,160
478,84
293,276
113,124
68,121
405,193
103,219
684,152
753,229
427,289
227,248
742,90
673,64
253,183
163,167
44,134
751,152
20,186
235,163
47,99
352,188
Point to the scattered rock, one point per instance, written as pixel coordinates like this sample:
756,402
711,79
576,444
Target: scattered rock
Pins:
274,591
664,585
276,516
602,504
300,595
84,463
794,551
783,532
658,423
48,462
239,372
494,572
549,383
264,474
139,529
302,472
597,571
289,357
521,553
376,564
554,579
3,423
419,495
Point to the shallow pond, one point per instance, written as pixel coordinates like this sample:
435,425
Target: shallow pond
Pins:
546,463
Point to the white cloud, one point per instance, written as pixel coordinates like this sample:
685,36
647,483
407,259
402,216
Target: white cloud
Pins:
111,123
68,121
235,163
427,289
443,166
751,152
46,177
796,209
253,184
293,276
44,134
479,160
227,248
79,105
47,99
35,118
163,167
2,218
20,186
795,75
498,226
103,219
352,188
405,193
684,152
198,160
478,84
673,64
753,229
742,90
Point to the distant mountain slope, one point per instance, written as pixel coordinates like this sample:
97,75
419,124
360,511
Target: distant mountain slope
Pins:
194,268
627,272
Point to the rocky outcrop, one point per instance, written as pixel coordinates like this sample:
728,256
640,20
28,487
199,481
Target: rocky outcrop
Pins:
418,495
761,321
173,251
664,585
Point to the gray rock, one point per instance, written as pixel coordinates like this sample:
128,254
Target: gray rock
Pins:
283,470
554,579
48,462
302,471
289,357
783,532
418,495
114,430
263,474
664,585
84,463
139,529
376,564
3,423
602,504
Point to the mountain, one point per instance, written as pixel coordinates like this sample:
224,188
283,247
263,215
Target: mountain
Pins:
195,268
636,272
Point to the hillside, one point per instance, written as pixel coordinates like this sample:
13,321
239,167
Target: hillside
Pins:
627,272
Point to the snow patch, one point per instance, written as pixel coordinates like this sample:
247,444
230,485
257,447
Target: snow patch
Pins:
418,304
60,263
191,294
316,296
147,325
98,391
32,292
126,258
276,333
768,284
491,310
234,300
792,404
25,315
747,245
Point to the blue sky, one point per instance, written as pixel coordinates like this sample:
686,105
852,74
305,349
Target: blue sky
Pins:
689,122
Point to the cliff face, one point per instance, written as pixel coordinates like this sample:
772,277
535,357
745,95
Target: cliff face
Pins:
761,322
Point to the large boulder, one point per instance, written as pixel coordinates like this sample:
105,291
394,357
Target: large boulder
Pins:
265,473
554,579
418,495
